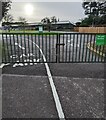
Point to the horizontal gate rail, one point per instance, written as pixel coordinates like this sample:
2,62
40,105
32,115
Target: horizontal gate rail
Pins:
56,47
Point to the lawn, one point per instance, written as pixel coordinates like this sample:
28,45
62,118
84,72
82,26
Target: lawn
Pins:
28,31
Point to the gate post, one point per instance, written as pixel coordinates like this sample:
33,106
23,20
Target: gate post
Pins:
57,48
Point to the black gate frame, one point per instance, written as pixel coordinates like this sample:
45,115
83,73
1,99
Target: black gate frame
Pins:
58,44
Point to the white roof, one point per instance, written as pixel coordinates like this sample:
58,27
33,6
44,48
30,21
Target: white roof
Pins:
62,22
37,23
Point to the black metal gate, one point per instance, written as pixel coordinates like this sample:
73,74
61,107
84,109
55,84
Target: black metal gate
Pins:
51,48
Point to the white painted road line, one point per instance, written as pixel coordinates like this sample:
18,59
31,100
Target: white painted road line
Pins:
19,46
2,65
54,91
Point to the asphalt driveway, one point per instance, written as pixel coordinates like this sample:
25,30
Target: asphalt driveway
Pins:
31,97
27,92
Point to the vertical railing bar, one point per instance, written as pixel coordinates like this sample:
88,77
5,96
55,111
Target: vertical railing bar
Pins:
42,46
92,58
103,58
83,47
3,49
89,49
80,47
14,47
56,48
53,49
8,49
95,47
73,56
21,49
39,46
32,49
86,53
66,47
3,52
18,49
59,49
99,56
63,48
49,47
104,49
35,47
46,48
96,54
29,48
70,49
11,47
25,46
76,48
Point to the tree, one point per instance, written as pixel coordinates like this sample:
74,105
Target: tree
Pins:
47,22
23,22
4,7
78,24
53,19
103,8
86,21
22,19
8,18
95,10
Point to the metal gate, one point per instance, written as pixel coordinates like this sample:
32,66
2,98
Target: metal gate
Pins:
51,48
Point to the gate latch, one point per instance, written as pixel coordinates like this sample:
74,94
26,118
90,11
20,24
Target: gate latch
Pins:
60,44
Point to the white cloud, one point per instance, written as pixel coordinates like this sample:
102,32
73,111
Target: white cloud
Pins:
72,11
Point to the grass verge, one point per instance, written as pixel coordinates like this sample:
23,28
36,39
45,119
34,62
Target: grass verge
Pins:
97,49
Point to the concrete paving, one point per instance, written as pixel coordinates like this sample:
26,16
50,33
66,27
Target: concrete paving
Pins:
27,97
81,98
38,70
27,93
31,97
0,96
81,70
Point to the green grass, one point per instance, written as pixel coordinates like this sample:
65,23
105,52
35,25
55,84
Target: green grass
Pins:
20,31
28,31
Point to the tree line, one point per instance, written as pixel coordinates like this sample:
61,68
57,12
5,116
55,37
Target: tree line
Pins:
95,13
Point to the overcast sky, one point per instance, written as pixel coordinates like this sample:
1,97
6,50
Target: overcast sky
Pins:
71,11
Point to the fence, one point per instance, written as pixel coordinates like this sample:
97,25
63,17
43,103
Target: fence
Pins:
51,48
92,29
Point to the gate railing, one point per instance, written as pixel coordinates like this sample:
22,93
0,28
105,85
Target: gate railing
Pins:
56,47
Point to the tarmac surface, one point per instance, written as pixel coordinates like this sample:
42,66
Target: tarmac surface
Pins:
27,97
80,70
27,93
0,95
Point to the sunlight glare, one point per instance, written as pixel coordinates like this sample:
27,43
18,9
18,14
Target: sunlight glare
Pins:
28,9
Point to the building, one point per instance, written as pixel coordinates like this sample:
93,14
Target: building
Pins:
60,25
